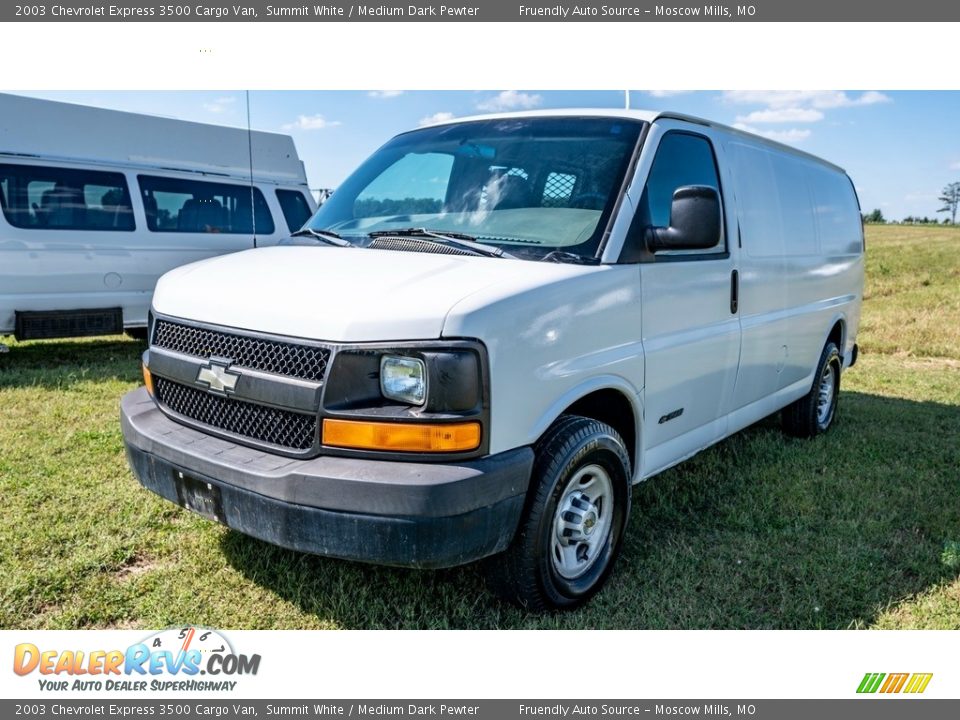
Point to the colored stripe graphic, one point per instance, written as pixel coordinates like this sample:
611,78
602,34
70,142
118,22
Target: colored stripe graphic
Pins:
870,682
918,683
894,683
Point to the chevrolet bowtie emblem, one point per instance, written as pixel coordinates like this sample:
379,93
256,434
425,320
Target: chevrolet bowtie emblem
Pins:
217,376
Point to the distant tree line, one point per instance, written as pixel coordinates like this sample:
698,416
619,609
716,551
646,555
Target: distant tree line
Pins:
911,220
377,207
950,197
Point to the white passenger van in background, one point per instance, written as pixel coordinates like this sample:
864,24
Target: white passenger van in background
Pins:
98,204
491,330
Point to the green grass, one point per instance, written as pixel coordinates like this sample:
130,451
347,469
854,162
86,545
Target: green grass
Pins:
912,297
860,528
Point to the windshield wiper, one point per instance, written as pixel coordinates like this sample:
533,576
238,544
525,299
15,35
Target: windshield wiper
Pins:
327,236
562,256
454,239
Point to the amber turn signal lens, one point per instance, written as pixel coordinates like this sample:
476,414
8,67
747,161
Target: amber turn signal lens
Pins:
401,437
147,379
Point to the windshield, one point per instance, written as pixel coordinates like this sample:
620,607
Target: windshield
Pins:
528,185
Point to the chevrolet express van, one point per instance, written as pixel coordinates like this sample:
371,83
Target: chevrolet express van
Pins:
96,205
494,328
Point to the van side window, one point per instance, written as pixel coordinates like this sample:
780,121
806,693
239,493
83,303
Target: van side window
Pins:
682,159
295,208
195,206
52,198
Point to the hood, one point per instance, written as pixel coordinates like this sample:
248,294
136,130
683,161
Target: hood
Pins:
340,294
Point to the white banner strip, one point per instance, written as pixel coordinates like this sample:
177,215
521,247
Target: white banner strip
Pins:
491,664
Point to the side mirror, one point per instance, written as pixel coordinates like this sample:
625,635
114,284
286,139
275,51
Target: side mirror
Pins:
694,221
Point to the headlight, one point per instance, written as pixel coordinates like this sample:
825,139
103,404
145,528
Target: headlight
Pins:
403,379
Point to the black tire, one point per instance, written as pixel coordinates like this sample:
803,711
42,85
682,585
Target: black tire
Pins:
526,573
804,418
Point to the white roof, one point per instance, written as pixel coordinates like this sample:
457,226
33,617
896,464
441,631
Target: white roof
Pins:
645,115
65,131
642,115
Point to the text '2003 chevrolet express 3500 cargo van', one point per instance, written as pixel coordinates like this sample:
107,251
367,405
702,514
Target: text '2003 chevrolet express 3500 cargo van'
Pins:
492,329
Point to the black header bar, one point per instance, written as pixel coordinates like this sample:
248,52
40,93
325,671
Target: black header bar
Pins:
481,11
225,707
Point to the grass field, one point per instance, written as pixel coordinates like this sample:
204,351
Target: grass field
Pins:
860,528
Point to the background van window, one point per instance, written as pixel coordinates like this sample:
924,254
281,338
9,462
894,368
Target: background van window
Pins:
51,198
196,206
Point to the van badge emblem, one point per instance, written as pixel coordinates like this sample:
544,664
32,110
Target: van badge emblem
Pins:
217,377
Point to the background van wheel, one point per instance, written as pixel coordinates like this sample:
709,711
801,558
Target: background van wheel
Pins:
572,528
814,412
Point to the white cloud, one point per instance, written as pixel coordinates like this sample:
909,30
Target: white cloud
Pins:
955,165
782,115
667,93
384,94
220,105
311,122
793,135
872,97
438,117
820,99
793,106
510,100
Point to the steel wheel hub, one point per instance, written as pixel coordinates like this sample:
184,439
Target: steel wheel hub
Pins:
825,393
578,518
582,522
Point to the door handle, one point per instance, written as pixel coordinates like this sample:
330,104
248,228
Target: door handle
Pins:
734,291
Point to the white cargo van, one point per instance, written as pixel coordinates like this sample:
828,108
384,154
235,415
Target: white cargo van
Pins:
98,204
491,330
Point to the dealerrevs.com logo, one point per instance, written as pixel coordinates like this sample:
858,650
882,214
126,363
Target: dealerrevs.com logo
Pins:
179,659
892,683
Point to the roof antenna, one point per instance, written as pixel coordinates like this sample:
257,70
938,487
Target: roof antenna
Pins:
253,206
626,99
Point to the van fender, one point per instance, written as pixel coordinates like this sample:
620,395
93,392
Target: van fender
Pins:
840,317
578,392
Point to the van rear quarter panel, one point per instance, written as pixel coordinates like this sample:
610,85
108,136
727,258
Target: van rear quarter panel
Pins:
801,264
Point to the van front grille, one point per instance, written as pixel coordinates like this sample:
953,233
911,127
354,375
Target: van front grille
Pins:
308,362
282,428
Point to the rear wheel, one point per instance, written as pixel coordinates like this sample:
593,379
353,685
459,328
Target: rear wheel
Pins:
813,414
572,528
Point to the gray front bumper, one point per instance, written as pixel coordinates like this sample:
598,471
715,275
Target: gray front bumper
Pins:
393,513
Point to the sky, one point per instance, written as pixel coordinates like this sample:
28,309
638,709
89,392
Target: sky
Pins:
901,148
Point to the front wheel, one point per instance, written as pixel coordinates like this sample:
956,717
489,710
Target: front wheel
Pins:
813,414
573,525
